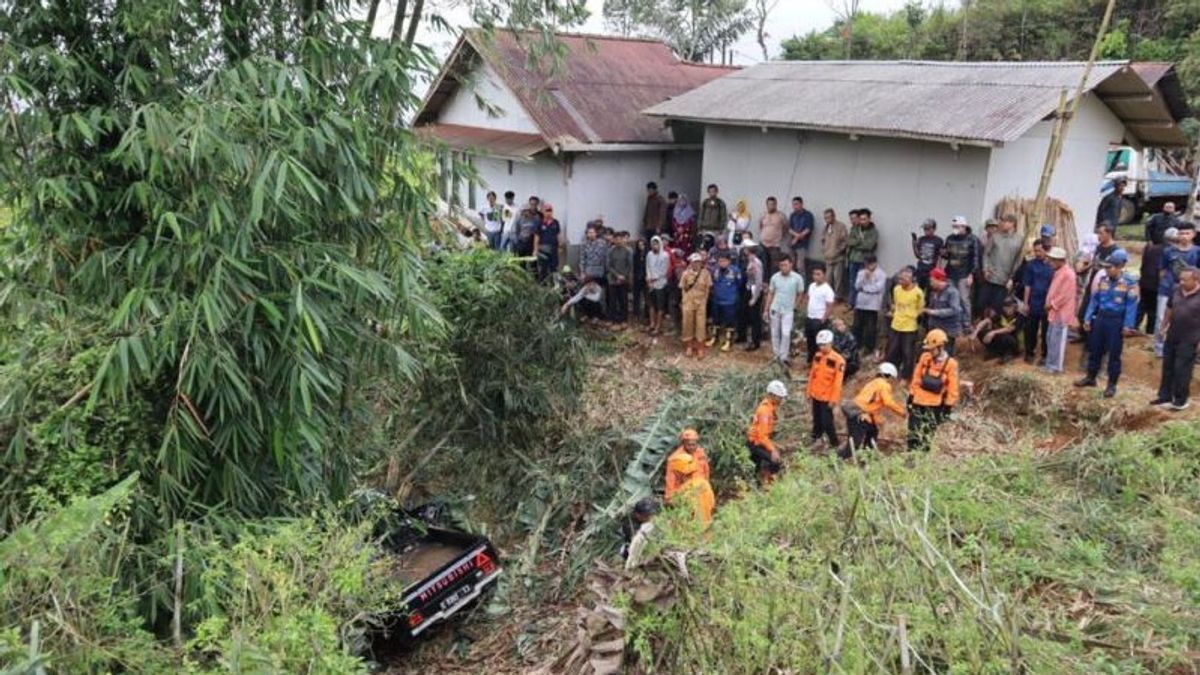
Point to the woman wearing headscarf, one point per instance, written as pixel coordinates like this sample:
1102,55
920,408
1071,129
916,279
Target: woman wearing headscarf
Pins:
739,223
683,225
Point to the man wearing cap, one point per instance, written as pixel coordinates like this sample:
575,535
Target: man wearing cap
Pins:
928,251
1109,210
943,307
1160,222
1037,277
1175,259
1110,316
1061,299
1048,235
749,327
695,492
759,440
833,247
694,286
1001,257
960,254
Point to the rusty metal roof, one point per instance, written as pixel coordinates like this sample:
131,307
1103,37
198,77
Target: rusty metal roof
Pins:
496,142
981,103
592,94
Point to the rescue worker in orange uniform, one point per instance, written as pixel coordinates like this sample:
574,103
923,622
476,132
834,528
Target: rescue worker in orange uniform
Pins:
695,489
689,441
762,449
864,414
933,392
825,388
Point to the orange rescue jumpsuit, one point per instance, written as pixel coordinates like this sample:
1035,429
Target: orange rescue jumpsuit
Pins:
675,480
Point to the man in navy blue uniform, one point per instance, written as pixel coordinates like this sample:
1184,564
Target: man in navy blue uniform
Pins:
1111,314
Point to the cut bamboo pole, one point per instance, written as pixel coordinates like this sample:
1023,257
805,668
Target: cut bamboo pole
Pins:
1039,204
1055,149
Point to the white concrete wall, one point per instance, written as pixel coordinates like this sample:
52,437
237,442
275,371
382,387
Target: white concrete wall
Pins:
612,184
901,181
484,82
1015,169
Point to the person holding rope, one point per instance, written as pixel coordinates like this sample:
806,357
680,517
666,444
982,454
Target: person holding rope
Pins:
933,392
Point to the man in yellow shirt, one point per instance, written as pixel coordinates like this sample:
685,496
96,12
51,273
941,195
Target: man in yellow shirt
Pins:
907,302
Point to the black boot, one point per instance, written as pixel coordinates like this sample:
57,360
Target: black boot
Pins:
1088,380
1111,390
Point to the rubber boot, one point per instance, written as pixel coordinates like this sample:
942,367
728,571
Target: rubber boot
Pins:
728,340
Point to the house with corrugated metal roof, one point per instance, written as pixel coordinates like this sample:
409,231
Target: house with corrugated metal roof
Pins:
913,140
566,125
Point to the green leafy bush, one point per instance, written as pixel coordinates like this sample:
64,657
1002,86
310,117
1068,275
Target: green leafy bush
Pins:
1075,562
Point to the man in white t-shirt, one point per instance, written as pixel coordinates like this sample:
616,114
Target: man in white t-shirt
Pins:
508,219
493,222
821,299
784,288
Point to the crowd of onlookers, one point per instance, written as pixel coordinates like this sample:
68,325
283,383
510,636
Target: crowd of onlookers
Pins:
718,277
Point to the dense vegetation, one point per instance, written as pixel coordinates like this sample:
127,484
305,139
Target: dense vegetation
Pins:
1030,30
996,564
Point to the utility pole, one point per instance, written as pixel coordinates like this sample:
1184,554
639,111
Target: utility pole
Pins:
1063,125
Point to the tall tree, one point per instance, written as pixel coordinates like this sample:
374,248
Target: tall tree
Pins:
762,14
695,29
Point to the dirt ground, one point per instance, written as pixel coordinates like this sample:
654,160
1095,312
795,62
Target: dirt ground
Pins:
1007,408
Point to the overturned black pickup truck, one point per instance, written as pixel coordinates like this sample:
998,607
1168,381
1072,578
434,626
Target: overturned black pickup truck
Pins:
443,570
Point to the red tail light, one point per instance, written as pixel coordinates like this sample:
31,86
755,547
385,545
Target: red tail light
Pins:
415,619
484,562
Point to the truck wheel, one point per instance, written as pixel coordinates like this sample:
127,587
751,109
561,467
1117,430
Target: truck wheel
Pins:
1128,212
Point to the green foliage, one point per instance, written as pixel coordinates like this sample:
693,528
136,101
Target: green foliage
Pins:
695,30
1009,563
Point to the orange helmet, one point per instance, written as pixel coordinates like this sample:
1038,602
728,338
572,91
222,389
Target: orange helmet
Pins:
936,338
689,434
683,464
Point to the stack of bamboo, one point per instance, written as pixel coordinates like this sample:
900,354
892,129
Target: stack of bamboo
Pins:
1056,213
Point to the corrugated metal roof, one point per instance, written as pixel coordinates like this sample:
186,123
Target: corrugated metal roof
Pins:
507,144
980,103
594,94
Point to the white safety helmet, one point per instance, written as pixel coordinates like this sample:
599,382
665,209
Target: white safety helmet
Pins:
888,370
825,337
777,388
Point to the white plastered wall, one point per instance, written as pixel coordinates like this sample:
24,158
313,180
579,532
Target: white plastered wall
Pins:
901,181
1016,168
484,82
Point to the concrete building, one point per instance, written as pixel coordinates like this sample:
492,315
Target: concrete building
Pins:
565,126
913,140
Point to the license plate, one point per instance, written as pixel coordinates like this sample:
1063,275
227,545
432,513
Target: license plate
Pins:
456,597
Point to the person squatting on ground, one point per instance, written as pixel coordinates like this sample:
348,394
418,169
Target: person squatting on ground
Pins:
999,333
869,286
750,299
727,286
944,308
845,344
907,303
694,286
825,380
694,491
785,287
1180,331
818,307
1061,299
1110,316
636,532
864,413
689,444
933,392
759,440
